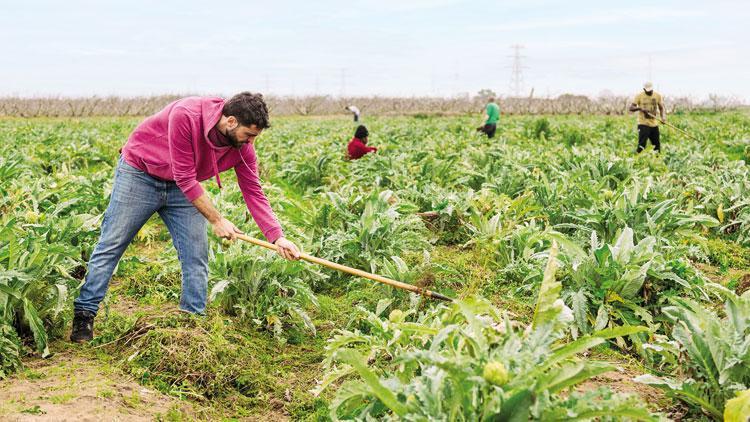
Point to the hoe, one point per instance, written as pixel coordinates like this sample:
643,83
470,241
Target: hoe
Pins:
669,125
353,271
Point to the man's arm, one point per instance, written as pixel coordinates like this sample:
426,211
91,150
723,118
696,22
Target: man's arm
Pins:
183,168
485,115
221,226
662,110
634,107
257,203
226,229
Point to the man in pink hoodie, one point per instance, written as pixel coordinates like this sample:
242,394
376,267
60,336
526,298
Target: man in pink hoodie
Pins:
160,170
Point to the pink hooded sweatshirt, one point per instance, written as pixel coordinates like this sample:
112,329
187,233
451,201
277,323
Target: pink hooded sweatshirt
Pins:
173,145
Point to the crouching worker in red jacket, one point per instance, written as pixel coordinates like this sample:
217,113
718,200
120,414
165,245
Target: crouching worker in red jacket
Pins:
358,145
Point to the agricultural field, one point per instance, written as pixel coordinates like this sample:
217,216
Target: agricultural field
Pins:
590,282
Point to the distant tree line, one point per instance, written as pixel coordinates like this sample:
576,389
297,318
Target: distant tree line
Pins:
316,105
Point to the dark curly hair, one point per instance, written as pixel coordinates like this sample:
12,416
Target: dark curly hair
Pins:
361,132
249,109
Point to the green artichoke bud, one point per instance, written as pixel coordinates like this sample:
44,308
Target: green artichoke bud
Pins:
495,373
396,315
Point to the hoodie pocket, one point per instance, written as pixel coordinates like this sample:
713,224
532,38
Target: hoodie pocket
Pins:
160,171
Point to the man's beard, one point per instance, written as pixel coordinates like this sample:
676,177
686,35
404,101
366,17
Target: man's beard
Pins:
231,138
649,92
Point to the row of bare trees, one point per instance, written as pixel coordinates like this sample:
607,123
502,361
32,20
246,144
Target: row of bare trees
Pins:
383,106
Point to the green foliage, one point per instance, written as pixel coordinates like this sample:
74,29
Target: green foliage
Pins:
573,136
728,254
190,356
365,232
263,289
511,236
737,409
629,227
10,349
50,202
714,352
624,284
306,174
539,128
469,362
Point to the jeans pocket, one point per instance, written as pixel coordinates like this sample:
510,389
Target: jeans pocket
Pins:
134,186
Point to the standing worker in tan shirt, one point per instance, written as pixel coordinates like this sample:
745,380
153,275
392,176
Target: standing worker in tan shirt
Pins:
646,103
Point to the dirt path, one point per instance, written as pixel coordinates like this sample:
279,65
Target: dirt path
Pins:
76,385
621,381
72,387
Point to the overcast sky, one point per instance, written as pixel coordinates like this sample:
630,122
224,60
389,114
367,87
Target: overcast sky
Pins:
372,47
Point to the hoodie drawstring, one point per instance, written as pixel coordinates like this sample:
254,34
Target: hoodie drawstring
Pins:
216,169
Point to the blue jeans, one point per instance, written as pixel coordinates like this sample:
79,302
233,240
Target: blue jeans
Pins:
136,196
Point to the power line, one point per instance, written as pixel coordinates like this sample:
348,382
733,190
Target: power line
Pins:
516,73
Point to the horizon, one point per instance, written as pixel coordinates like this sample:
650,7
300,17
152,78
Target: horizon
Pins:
440,48
460,96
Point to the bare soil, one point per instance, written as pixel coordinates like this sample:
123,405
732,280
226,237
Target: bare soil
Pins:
71,387
621,381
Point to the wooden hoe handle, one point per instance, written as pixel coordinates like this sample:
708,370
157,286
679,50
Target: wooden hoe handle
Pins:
349,270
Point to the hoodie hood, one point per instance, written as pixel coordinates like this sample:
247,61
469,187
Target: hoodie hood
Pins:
211,109
211,112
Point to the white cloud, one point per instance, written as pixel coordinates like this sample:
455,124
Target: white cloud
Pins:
390,46
633,15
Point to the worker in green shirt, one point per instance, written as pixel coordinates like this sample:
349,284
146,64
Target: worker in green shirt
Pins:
492,115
